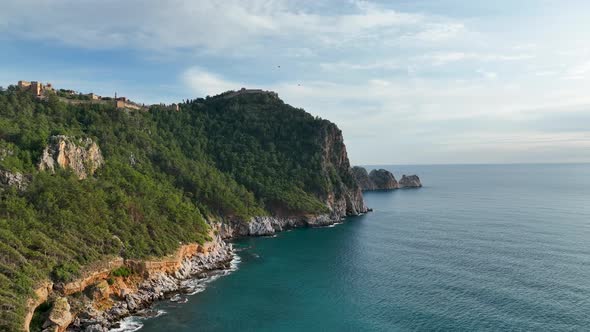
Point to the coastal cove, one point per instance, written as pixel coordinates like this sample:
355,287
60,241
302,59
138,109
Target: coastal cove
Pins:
479,254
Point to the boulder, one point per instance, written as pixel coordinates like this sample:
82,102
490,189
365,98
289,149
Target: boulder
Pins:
60,315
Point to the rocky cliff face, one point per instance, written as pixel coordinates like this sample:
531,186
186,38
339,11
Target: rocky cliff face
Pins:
410,181
82,156
13,179
98,301
362,178
346,198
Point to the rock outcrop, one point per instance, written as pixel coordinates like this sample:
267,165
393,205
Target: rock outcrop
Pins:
157,279
383,179
13,179
269,225
97,302
60,316
82,156
41,294
362,178
378,179
411,181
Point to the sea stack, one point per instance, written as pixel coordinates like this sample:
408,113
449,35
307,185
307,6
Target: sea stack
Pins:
383,179
410,181
378,179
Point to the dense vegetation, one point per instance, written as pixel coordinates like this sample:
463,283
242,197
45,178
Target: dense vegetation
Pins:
165,173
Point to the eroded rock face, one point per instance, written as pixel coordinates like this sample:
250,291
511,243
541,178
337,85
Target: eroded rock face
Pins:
82,156
60,316
188,264
13,179
362,178
346,199
383,179
411,181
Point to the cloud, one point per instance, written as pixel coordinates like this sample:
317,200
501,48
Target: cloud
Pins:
579,71
204,83
213,26
438,59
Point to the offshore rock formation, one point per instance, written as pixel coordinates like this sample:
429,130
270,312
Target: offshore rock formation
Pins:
383,179
378,179
411,181
82,156
362,178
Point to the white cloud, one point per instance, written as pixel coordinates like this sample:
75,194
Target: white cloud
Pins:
212,26
579,71
204,83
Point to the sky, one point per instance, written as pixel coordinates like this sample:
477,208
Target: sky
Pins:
408,81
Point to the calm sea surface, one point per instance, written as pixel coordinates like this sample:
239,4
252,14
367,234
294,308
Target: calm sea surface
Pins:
478,248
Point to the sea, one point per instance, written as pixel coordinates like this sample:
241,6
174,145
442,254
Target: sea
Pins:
478,248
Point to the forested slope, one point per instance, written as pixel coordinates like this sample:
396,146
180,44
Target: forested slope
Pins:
165,173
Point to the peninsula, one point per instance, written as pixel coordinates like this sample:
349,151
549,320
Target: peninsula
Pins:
106,208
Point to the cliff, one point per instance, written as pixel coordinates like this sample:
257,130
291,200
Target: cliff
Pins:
100,299
346,197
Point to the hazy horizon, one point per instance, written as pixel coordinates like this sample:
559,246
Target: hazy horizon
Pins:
420,82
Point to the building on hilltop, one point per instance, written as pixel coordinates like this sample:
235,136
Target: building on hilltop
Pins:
124,103
36,88
94,96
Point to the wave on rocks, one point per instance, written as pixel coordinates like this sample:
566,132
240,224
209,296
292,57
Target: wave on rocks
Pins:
129,324
191,287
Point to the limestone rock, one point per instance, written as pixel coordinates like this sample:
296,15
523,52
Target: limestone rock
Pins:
60,314
383,179
411,181
346,198
82,156
362,178
378,179
101,291
13,179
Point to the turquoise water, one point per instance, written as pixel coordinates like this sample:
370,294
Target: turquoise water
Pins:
478,248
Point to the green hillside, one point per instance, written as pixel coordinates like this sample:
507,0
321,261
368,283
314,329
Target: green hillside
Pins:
165,173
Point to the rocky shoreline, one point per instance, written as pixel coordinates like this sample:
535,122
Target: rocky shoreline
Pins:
157,287
162,285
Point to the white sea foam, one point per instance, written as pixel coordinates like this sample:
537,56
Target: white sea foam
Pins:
193,286
129,324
